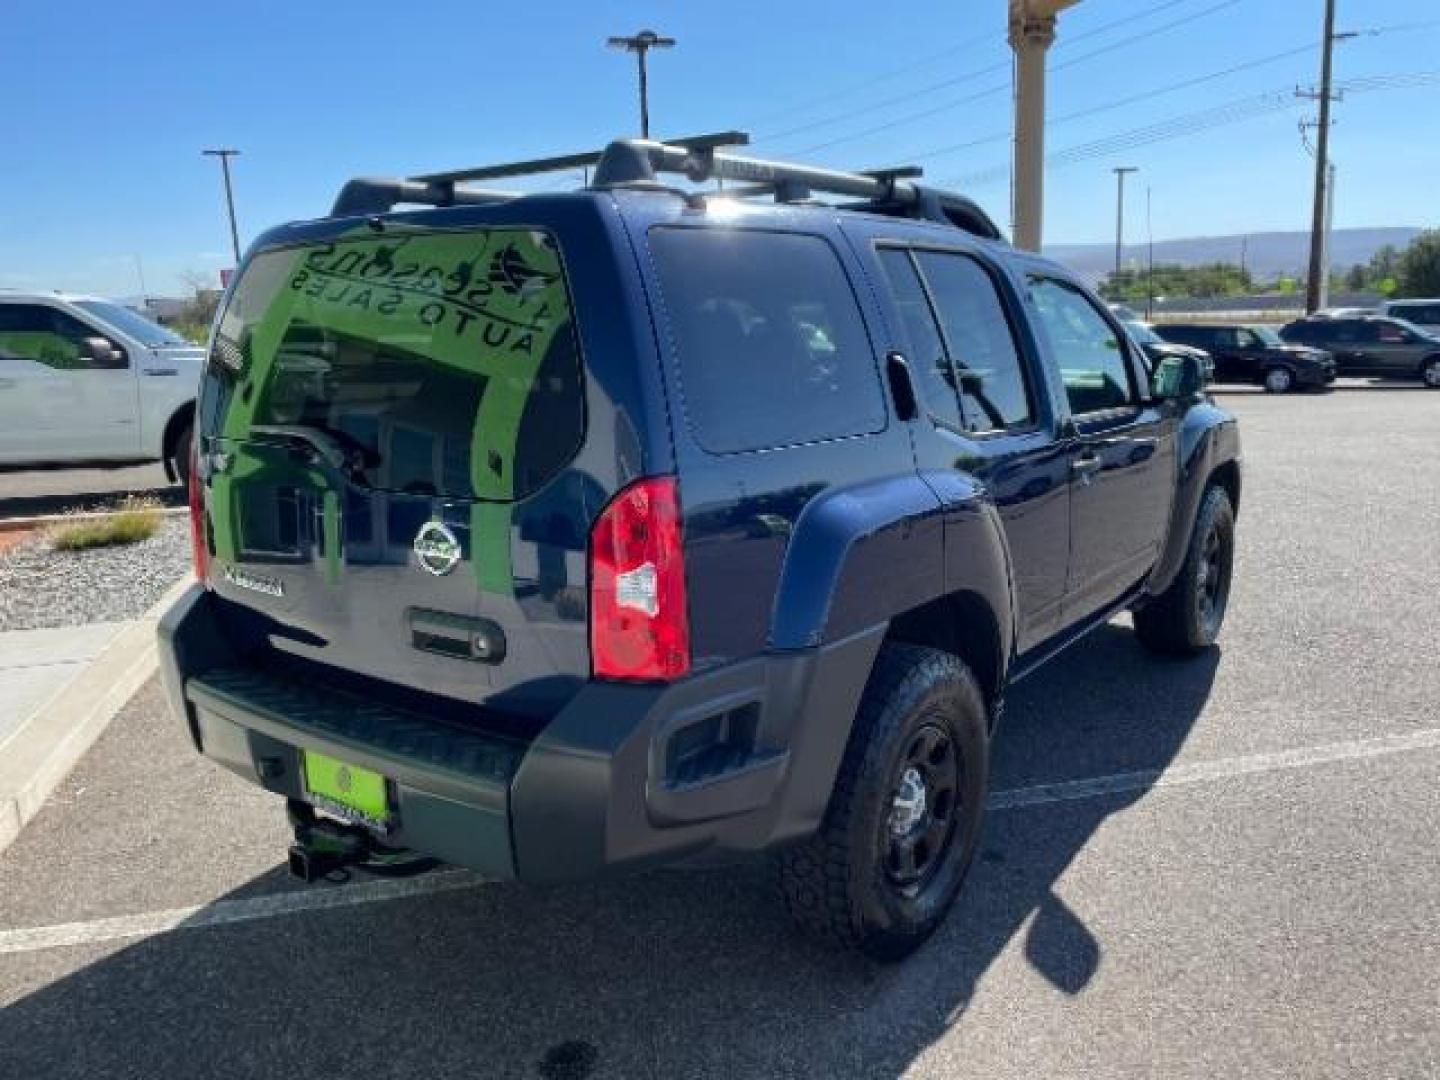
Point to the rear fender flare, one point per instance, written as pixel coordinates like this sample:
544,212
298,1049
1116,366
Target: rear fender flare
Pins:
862,554
858,554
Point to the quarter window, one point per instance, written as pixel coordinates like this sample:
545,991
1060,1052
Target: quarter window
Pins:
46,335
986,362
1089,353
772,351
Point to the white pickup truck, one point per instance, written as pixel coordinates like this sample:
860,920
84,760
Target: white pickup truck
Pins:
86,379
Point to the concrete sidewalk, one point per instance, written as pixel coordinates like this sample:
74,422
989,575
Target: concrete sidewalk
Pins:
59,689
35,665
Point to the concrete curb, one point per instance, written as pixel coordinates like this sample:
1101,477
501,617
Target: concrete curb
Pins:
42,521
57,735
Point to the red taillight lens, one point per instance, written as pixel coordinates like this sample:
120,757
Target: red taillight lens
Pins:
197,515
639,626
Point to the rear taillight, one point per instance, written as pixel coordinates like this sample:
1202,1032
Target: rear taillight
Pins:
197,515
639,626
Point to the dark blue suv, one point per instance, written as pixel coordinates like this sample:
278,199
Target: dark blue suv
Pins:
553,534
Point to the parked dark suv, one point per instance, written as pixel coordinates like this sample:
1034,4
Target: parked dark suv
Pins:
1256,354
1382,348
554,534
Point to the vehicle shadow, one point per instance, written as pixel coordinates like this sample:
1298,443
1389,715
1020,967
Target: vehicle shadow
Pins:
669,974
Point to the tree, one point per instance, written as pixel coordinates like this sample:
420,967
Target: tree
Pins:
1356,278
199,311
1417,271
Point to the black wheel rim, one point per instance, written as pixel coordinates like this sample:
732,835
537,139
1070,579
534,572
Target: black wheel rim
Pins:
1212,580
925,805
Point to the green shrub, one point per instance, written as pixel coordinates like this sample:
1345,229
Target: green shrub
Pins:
131,521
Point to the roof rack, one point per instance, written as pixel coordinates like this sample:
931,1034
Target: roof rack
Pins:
638,162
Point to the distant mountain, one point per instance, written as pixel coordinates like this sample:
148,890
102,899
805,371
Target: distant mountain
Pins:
1267,254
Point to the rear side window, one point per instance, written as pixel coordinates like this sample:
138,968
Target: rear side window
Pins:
449,359
772,349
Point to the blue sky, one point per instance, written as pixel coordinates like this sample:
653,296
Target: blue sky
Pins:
110,104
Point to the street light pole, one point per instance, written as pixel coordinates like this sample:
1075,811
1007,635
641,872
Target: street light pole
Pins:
640,44
1121,171
225,156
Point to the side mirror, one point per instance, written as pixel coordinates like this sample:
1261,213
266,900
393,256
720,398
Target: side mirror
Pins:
103,353
1181,378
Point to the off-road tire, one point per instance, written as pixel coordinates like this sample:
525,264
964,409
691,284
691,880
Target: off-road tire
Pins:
838,884
1178,621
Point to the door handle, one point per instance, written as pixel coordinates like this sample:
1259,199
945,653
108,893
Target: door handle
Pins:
1086,466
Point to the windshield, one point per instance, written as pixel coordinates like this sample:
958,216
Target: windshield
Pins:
134,324
1142,334
1266,335
445,362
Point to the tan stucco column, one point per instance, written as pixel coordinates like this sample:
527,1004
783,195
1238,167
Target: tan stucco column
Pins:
1032,31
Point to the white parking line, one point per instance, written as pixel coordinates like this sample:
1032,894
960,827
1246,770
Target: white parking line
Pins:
229,912
1202,771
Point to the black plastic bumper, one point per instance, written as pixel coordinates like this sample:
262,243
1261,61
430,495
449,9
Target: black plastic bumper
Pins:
739,758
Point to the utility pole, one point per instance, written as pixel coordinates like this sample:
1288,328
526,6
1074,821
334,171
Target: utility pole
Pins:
640,44
1322,163
225,156
1324,298
1120,171
1149,259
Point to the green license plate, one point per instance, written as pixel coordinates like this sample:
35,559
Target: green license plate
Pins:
346,790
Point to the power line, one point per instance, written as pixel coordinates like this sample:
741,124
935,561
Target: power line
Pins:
1146,35
1117,103
970,76
1182,125
997,89
886,76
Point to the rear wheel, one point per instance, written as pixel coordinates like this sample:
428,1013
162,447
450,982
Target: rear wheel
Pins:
904,817
1279,380
1430,372
1186,618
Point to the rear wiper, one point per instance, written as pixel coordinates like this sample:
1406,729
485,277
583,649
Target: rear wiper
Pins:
339,448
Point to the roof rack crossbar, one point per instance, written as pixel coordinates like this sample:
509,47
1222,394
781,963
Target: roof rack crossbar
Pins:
635,162
368,195
573,161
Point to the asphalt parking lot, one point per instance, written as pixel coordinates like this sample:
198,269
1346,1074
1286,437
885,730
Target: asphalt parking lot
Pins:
1224,866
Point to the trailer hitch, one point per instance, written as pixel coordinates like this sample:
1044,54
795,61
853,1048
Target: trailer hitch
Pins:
322,847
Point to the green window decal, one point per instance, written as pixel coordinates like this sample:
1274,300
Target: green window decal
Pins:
440,363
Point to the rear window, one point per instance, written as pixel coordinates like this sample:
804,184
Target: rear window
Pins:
772,350
450,359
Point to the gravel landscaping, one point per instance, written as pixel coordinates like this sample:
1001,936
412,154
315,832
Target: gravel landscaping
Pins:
41,587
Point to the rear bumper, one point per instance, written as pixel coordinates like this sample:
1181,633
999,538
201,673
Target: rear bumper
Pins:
740,758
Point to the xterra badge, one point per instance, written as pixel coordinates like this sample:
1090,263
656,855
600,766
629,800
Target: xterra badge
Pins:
255,582
436,548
